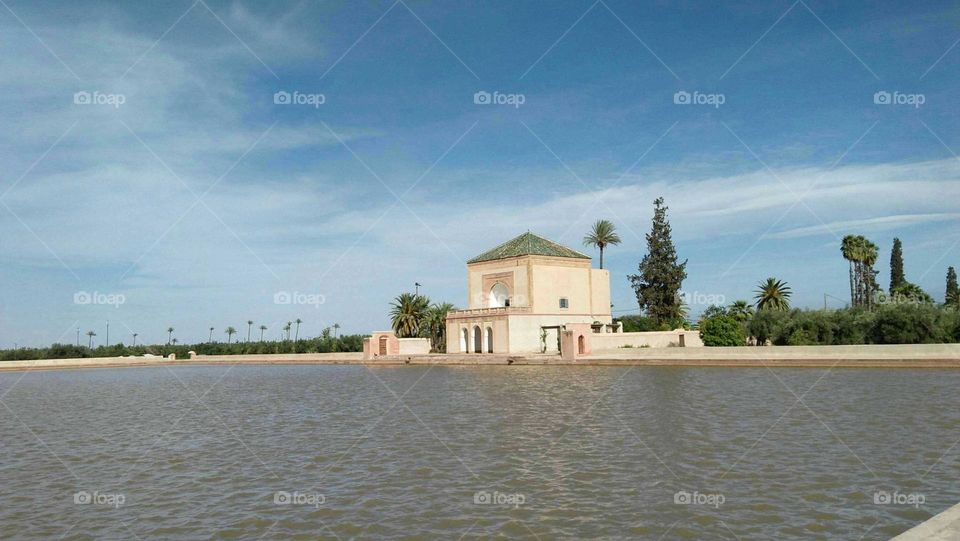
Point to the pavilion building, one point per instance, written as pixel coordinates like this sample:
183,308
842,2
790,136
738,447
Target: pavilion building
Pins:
524,294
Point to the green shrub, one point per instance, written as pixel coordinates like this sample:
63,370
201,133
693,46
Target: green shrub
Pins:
721,331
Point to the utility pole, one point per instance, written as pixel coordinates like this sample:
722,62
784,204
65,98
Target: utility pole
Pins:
417,285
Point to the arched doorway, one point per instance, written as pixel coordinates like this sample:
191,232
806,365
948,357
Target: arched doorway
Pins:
477,340
499,296
489,340
464,340
581,345
383,345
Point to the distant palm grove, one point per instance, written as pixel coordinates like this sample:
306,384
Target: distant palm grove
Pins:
327,342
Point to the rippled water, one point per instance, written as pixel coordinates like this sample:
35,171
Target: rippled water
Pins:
402,452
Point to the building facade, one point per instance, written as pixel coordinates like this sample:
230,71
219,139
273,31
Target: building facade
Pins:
522,296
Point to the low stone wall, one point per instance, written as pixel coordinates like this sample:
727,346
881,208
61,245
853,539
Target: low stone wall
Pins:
608,342
414,346
942,527
913,356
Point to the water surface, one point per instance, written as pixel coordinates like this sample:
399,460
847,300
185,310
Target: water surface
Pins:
211,452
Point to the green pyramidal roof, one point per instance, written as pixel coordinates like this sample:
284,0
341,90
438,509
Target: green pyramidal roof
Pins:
528,244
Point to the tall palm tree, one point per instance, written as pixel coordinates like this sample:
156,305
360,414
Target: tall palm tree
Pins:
286,329
262,328
169,334
135,339
861,255
850,250
603,234
249,326
773,294
91,334
296,335
230,332
211,335
740,310
336,327
407,313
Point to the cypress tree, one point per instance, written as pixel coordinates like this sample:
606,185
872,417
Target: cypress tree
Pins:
953,292
897,277
660,275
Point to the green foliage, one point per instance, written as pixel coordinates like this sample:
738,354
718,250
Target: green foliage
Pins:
952,295
888,324
773,294
643,324
721,330
407,314
603,234
897,277
909,293
434,326
660,274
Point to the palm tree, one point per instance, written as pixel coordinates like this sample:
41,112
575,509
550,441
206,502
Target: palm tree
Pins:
435,326
407,313
135,339
336,327
249,326
175,341
230,332
773,294
861,255
169,334
740,310
262,328
286,329
91,334
603,234
211,335
296,335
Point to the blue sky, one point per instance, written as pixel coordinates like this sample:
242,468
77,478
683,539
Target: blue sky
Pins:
199,199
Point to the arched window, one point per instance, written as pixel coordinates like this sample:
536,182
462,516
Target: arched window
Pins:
477,340
489,340
499,296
